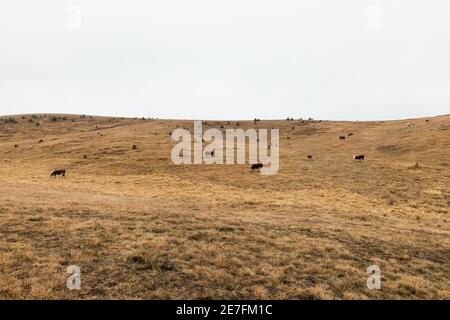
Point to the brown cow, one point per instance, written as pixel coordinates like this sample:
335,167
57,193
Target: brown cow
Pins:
256,166
60,172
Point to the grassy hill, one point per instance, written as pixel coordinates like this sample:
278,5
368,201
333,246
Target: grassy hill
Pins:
139,226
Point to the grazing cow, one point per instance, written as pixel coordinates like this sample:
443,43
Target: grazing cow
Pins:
342,137
358,157
350,134
56,173
256,166
410,124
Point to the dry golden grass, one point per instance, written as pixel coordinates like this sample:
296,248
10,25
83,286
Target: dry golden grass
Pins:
140,227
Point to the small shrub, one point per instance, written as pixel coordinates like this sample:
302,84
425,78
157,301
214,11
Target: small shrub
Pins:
134,147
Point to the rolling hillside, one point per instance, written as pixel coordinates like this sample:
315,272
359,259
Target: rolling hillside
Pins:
141,227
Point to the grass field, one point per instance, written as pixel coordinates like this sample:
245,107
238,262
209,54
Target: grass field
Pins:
140,227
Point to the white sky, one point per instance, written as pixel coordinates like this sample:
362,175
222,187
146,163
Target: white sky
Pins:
229,59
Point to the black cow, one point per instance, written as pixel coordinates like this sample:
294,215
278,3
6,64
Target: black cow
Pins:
358,157
56,173
256,166
342,137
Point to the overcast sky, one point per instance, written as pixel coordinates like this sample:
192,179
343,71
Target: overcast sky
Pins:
229,59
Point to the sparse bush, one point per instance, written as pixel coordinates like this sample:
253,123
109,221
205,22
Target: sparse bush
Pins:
40,141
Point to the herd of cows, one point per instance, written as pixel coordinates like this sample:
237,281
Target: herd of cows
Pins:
254,167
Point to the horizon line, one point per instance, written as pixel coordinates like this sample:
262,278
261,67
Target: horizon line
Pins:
205,119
